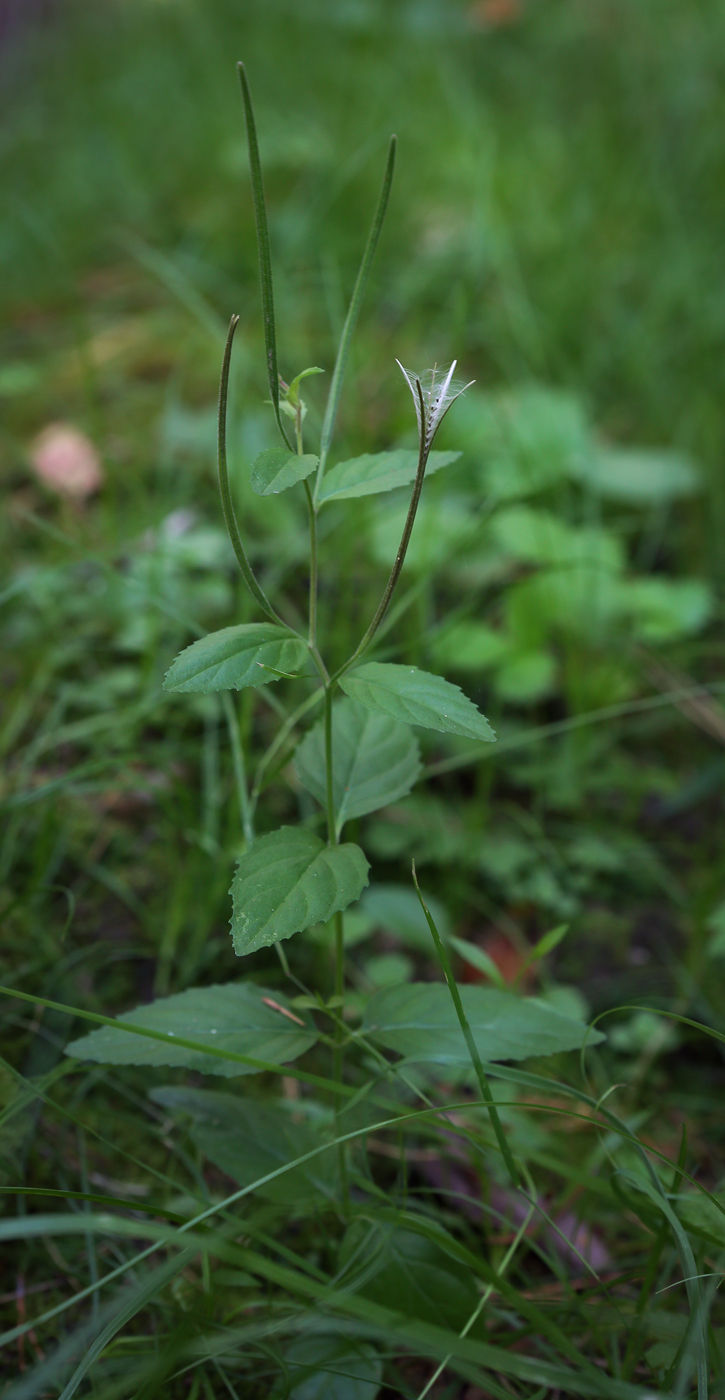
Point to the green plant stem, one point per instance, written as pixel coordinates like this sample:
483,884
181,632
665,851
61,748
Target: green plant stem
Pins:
278,743
230,519
348,329
339,982
470,1042
329,787
396,569
240,772
313,565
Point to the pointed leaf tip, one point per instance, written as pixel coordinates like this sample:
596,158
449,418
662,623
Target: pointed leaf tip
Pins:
417,697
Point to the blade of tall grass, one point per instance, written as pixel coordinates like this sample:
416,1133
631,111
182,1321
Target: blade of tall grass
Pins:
483,1083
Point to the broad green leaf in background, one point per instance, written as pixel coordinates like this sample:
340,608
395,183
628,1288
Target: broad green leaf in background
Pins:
376,761
663,609
289,880
423,827
416,697
277,469
388,969
379,471
396,910
526,677
445,531
404,1271
248,1139
542,538
358,927
328,1367
470,646
233,1017
248,654
524,440
419,1021
582,601
638,475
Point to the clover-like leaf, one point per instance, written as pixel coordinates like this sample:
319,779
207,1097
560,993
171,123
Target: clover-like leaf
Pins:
248,654
288,881
416,697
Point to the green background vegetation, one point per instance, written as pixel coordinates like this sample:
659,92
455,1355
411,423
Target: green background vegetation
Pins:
556,224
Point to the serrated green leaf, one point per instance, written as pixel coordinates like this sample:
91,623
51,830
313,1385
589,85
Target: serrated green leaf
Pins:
378,471
416,697
376,761
419,1021
277,469
288,881
248,654
248,1140
233,1017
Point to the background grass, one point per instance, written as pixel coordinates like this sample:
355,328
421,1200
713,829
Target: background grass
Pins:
556,224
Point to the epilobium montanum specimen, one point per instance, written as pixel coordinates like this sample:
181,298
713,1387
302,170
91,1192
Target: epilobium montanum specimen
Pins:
370,1063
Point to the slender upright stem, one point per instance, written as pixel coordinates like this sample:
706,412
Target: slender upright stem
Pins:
230,519
396,569
329,787
313,564
332,840
246,810
279,742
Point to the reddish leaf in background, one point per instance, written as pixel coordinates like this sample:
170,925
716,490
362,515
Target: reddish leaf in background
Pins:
506,957
495,14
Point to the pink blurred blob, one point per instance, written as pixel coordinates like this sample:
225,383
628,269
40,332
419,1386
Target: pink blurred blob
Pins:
64,459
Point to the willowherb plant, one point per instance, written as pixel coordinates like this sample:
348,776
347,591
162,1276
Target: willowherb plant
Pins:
359,756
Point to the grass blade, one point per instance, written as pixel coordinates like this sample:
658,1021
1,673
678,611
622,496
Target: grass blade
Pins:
470,1042
263,249
348,329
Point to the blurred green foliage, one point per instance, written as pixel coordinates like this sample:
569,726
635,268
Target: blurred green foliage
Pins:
556,224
